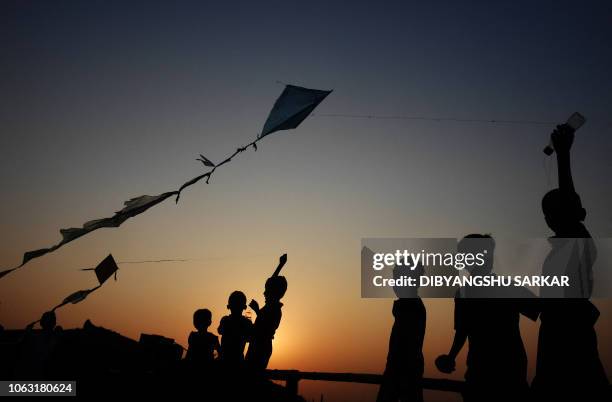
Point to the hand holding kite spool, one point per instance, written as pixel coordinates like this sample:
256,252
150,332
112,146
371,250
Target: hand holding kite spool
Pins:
281,263
575,121
445,364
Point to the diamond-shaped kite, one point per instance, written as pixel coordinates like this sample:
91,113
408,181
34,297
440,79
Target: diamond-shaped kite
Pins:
292,107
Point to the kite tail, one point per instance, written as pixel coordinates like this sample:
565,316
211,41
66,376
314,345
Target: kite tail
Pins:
209,174
74,298
7,271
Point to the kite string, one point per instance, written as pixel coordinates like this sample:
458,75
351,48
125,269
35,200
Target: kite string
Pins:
437,119
140,262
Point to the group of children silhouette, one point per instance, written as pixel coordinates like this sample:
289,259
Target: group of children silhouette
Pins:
568,365
236,330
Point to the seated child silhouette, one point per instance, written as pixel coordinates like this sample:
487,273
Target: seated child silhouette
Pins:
235,330
202,344
267,321
404,370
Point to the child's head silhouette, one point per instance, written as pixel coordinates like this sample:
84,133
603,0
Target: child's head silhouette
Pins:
478,243
202,319
276,286
48,321
236,302
562,210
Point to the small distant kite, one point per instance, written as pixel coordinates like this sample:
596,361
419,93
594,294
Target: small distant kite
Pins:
105,269
290,109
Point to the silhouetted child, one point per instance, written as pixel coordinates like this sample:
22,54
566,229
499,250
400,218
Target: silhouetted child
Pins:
267,321
568,365
403,376
235,330
37,348
202,344
496,360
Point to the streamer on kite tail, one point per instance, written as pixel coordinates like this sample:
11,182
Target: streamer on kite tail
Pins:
104,270
291,108
132,208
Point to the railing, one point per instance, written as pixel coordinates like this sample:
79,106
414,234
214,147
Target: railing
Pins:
292,378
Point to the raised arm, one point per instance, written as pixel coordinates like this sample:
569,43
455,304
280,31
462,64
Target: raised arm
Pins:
562,139
281,263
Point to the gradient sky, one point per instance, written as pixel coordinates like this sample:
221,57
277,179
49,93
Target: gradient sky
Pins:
102,101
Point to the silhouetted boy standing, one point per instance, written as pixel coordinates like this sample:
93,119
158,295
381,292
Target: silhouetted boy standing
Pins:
38,349
496,359
267,321
403,376
202,343
235,330
568,365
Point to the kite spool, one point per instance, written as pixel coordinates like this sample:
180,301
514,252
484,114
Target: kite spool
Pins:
575,121
281,263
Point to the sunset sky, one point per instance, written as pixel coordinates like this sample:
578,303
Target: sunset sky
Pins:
102,101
